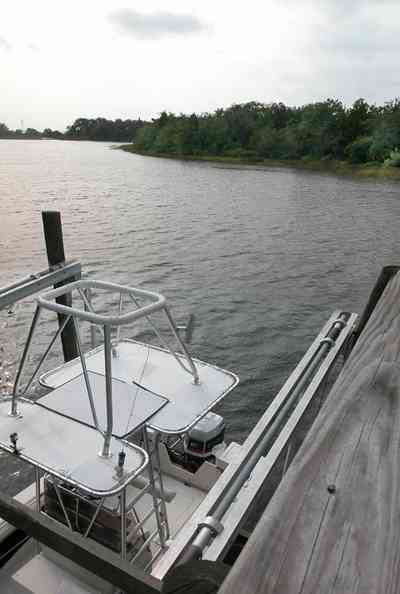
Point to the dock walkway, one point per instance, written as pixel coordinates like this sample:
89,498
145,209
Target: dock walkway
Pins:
333,525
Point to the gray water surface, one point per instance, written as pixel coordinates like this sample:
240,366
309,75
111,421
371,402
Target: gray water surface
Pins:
261,256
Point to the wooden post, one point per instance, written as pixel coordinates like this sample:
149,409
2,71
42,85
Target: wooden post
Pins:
387,273
52,228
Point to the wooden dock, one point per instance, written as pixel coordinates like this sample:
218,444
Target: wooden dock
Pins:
333,525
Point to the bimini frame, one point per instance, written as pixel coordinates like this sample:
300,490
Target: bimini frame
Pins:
84,287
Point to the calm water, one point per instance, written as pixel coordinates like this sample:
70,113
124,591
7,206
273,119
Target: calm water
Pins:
261,256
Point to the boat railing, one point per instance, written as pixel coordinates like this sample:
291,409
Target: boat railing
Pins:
68,501
155,302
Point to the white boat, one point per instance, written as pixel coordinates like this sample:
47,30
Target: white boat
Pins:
127,451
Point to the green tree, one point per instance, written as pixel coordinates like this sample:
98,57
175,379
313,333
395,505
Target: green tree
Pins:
4,131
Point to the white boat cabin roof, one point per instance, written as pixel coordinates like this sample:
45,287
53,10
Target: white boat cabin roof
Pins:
145,378
68,450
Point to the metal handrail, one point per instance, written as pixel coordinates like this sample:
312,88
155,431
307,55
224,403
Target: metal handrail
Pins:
46,300
88,314
34,283
193,369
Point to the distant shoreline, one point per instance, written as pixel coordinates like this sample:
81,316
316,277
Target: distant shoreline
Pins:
367,170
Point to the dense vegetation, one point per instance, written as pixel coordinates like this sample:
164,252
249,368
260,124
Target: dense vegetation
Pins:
102,129
83,129
317,131
322,131
29,133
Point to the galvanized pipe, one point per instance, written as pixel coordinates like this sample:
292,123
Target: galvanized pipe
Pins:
122,499
120,304
150,470
161,482
60,501
35,319
193,369
85,374
46,353
106,452
22,281
96,513
37,493
207,532
86,295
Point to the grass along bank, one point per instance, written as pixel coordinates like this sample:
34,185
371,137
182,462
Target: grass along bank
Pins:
374,170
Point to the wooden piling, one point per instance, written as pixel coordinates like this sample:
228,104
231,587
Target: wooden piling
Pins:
387,273
333,524
53,235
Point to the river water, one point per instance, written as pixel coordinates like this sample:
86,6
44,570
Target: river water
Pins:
262,256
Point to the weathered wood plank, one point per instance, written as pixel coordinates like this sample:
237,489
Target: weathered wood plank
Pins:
86,553
333,525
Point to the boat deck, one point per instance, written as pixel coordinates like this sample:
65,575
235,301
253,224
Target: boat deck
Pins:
34,572
180,507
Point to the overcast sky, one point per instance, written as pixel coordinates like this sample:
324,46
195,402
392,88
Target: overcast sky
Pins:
62,59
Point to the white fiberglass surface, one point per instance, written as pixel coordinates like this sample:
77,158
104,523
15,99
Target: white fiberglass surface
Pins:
67,448
183,500
30,572
157,371
132,405
41,576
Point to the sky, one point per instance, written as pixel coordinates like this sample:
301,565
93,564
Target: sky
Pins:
64,59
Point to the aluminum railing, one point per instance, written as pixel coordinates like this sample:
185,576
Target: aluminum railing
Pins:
84,288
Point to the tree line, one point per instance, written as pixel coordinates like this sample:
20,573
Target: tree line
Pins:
82,129
316,131
322,130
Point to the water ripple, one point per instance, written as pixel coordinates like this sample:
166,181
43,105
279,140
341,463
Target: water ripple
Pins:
261,256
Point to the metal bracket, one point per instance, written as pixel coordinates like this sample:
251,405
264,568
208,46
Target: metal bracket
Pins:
14,440
341,322
187,328
212,524
328,340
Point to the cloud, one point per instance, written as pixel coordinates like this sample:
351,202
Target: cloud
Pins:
34,48
154,25
370,41
353,40
4,44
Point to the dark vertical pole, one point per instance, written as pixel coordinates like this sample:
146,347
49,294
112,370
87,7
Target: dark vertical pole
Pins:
55,254
387,273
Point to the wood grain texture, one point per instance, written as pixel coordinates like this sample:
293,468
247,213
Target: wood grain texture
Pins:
344,539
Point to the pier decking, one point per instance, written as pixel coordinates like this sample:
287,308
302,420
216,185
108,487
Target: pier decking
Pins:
333,525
